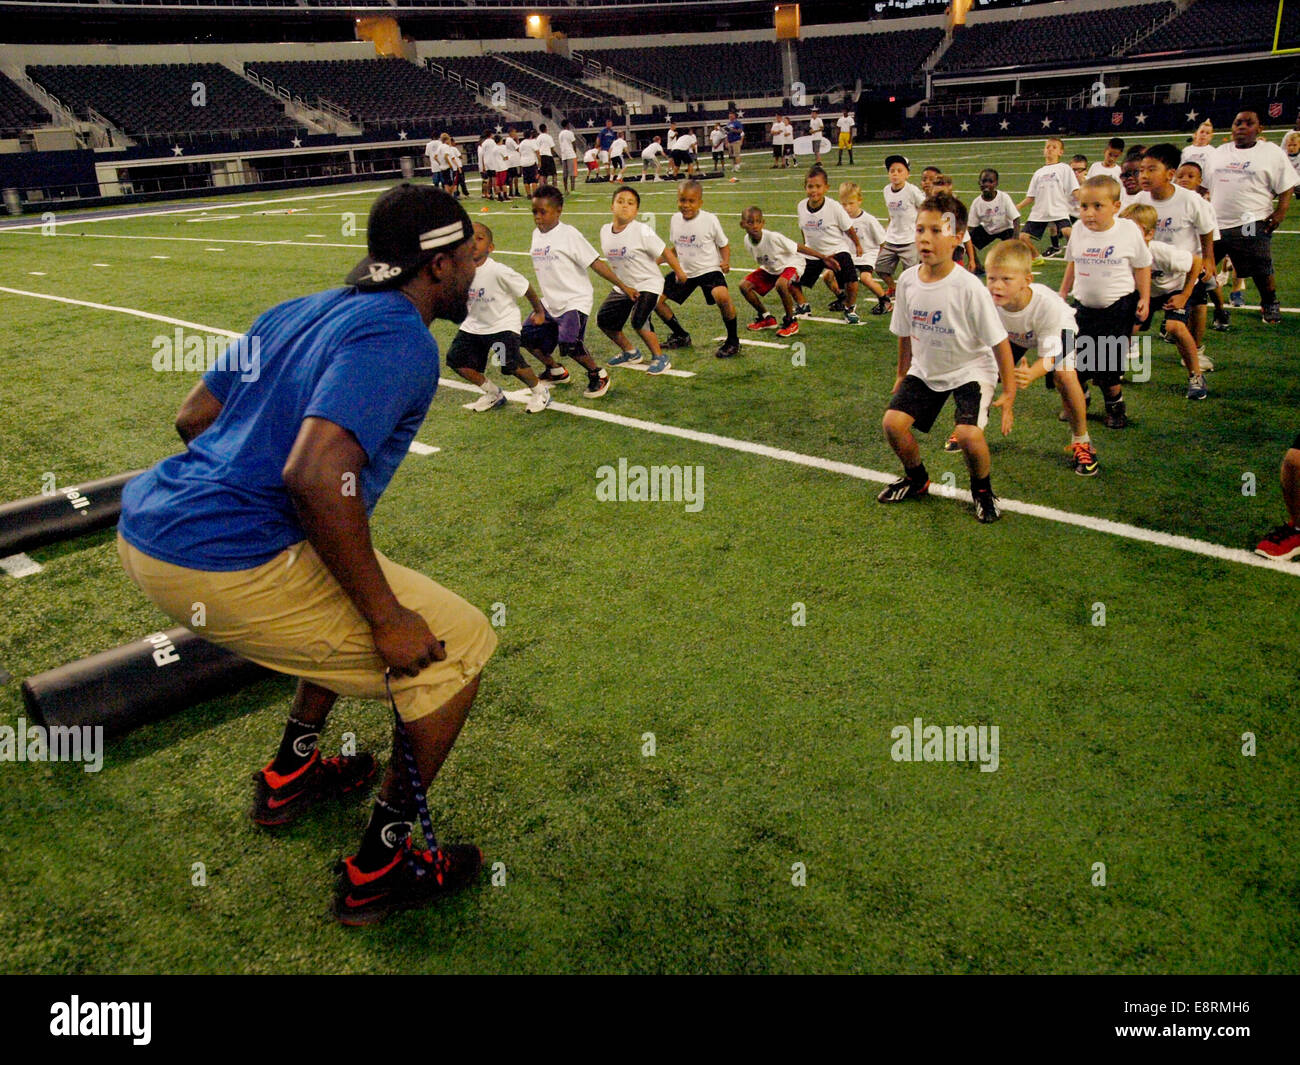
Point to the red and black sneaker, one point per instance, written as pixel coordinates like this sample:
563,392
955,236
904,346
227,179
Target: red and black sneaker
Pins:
280,800
763,321
1281,544
414,878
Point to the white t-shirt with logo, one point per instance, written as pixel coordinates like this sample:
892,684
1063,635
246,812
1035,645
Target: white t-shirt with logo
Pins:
902,205
617,148
494,296
775,252
567,140
698,243
527,152
870,234
1199,154
1128,199
953,325
436,151
826,229
1104,261
561,259
994,216
1182,220
545,144
1051,187
633,255
1038,325
1169,266
1243,182
1100,169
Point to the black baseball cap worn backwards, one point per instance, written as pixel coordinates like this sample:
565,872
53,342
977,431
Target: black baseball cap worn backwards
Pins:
408,226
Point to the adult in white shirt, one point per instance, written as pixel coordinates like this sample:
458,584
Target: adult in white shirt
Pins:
1245,177
651,155
434,151
545,156
567,141
845,124
815,127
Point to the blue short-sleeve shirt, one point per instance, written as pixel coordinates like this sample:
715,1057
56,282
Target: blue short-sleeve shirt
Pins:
365,361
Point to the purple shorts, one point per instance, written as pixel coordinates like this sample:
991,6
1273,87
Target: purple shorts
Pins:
569,328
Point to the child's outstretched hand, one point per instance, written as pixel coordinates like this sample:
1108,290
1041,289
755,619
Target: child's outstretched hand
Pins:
1005,402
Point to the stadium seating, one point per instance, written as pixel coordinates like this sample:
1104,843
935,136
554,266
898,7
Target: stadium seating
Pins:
702,71
378,90
159,98
1216,26
1057,40
575,100
18,111
877,58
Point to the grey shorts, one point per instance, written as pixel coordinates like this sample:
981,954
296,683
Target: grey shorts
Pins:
894,256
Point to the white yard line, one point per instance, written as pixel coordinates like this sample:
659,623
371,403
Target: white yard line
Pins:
20,565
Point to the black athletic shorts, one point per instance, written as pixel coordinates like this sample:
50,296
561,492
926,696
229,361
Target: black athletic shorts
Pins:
982,238
472,350
1037,229
1103,340
1158,302
846,274
616,307
530,175
681,158
547,163
1251,256
679,291
923,403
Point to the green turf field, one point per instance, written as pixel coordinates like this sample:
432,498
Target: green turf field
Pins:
1119,744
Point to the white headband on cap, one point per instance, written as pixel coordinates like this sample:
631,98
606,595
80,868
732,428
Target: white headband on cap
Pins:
451,233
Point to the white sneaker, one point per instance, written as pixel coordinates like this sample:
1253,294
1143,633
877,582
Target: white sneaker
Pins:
1207,363
538,401
488,401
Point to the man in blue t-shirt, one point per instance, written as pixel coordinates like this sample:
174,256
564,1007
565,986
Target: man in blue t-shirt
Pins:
257,536
735,138
604,139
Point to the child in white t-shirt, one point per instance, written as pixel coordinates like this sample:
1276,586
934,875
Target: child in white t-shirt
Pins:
561,258
993,214
780,262
871,234
704,252
1050,199
491,329
1174,271
1037,319
634,251
617,150
1108,271
898,249
831,236
950,343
